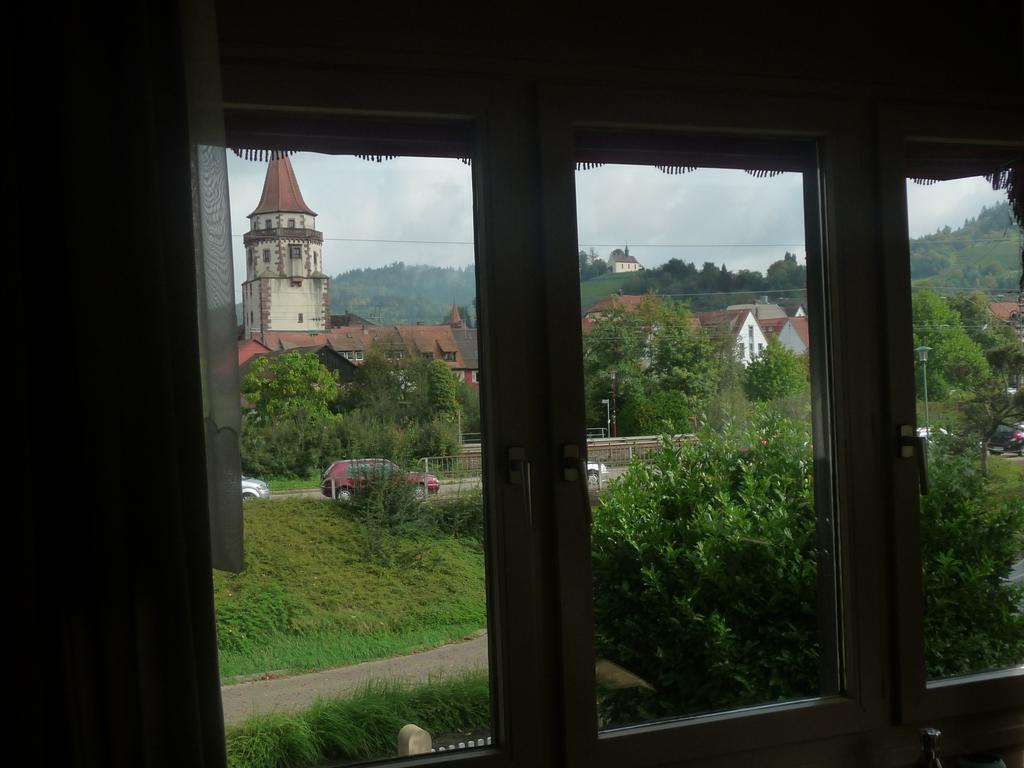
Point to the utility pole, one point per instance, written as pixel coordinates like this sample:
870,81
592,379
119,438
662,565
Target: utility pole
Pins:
615,410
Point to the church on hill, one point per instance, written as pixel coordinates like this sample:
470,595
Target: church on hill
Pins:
285,288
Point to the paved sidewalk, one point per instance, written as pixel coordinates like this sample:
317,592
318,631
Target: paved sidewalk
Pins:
299,692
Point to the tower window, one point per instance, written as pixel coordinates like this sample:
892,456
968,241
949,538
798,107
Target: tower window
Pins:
266,255
291,223
267,224
300,317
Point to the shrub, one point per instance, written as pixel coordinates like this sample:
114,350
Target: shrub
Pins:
289,446
390,510
704,570
970,540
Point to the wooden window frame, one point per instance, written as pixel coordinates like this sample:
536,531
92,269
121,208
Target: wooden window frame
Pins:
839,132
543,680
922,700
414,116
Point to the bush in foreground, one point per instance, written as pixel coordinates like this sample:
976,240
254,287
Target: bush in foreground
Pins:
970,538
705,573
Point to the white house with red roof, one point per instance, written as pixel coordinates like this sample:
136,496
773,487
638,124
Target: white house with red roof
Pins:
285,288
738,326
791,332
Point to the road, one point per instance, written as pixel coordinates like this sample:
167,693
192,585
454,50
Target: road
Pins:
289,694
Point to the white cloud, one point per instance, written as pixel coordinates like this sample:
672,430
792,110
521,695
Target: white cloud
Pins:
931,207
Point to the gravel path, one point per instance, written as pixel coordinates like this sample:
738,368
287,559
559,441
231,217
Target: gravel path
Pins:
299,692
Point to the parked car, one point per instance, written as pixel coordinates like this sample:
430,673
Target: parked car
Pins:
597,473
344,479
929,432
254,489
1007,439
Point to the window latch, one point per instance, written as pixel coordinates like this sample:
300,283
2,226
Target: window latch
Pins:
912,446
519,474
571,463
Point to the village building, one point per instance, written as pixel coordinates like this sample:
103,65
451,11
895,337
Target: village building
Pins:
285,288
620,261
791,332
449,342
738,325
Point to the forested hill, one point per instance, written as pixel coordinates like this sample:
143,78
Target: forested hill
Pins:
703,288
983,254
404,293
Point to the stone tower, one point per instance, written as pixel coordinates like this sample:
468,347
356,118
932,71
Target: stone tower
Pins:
285,288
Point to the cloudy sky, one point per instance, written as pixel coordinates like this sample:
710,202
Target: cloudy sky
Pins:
715,215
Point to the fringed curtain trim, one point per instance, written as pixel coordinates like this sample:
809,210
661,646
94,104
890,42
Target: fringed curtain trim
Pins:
762,173
277,154
674,170
263,154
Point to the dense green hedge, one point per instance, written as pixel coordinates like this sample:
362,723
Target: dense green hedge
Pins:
970,538
705,575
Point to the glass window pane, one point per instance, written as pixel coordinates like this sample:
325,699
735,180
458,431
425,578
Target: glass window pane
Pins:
712,538
362,608
965,262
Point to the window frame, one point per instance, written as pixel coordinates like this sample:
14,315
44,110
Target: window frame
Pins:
986,692
845,220
505,227
525,203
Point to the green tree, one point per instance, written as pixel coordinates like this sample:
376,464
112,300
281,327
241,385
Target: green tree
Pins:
956,361
290,431
442,391
665,367
294,382
774,374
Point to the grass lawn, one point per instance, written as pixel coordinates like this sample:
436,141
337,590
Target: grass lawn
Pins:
1007,477
294,483
321,589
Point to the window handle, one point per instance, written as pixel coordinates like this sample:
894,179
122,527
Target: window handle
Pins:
519,474
574,470
914,446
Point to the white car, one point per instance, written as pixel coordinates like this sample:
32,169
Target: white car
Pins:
597,473
926,432
254,489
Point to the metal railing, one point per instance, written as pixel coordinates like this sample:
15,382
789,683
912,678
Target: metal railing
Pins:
610,451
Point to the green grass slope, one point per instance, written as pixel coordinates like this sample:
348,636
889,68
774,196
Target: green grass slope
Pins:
322,589
595,289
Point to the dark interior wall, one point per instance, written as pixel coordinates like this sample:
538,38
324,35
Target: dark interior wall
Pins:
821,46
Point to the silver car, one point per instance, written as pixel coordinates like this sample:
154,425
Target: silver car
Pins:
254,489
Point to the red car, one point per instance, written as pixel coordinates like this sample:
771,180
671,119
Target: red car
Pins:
343,479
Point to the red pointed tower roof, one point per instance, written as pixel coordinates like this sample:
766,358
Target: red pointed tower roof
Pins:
281,190
455,319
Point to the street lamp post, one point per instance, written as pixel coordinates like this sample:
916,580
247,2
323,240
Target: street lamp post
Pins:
608,416
922,355
615,410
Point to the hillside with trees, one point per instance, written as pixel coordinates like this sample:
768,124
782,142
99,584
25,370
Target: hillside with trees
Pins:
405,293
711,286
983,254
